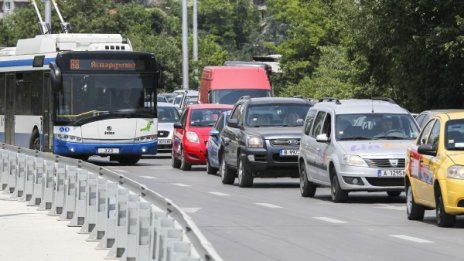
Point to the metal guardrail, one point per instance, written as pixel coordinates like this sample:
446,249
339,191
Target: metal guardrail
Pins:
131,221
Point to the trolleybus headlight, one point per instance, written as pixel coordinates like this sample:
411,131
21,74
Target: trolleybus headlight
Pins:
70,138
147,138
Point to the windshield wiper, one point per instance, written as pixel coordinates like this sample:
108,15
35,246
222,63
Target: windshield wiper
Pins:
356,138
389,138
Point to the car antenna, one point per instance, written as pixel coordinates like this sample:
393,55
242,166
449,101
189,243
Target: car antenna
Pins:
372,105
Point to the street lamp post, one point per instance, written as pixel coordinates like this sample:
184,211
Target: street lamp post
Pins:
185,65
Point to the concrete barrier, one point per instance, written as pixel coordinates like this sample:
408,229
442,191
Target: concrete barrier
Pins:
124,217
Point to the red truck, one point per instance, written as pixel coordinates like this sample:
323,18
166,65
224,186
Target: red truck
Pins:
226,84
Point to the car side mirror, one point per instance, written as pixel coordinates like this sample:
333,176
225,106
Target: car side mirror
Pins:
322,138
178,125
233,123
426,149
214,133
55,77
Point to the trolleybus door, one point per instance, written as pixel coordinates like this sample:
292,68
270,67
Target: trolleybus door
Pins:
10,109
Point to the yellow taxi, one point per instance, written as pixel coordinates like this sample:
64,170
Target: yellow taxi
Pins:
435,170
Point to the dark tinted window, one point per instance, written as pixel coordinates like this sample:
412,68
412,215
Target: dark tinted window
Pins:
2,93
309,121
167,114
232,96
318,124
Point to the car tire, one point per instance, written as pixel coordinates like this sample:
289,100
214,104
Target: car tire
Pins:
244,176
129,160
337,193
443,219
175,162
393,194
227,174
209,169
184,165
307,188
413,210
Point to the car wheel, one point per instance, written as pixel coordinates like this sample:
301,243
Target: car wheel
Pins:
307,188
414,211
227,175
443,219
129,160
184,165
244,176
175,163
338,195
209,169
393,193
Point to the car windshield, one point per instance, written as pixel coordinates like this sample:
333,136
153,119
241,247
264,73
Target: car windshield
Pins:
267,115
191,100
375,126
232,96
167,114
205,117
454,135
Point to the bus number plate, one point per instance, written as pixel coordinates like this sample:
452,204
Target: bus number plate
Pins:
108,150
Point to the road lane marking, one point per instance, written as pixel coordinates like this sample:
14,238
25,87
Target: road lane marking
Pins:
390,207
413,239
180,184
330,220
148,177
161,167
268,205
121,170
190,210
219,194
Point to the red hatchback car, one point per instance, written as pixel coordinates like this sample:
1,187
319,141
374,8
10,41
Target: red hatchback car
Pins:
191,134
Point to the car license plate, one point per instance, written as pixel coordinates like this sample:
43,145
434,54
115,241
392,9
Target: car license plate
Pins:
289,152
108,150
390,173
164,142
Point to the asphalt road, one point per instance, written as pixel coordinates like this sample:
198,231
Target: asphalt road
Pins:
271,221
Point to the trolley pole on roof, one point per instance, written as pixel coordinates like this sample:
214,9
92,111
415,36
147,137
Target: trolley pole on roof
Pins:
185,61
195,40
48,13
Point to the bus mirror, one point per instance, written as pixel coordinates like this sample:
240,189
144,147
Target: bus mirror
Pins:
55,76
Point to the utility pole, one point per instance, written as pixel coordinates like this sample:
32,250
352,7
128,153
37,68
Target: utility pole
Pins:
185,61
48,13
195,40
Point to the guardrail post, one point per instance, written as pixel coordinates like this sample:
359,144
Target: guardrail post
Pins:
160,225
3,173
13,159
69,193
20,177
119,247
111,216
37,193
168,237
48,186
80,213
130,251
29,179
99,230
178,251
144,231
91,204
59,190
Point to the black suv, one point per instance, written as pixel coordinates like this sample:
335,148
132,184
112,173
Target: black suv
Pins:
262,139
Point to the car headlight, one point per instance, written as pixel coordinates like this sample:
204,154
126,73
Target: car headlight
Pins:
68,138
254,142
192,137
147,138
354,160
456,172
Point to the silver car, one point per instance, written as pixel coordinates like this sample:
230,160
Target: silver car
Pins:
167,116
355,145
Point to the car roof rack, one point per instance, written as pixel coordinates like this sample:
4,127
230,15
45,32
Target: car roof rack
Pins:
330,99
390,100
